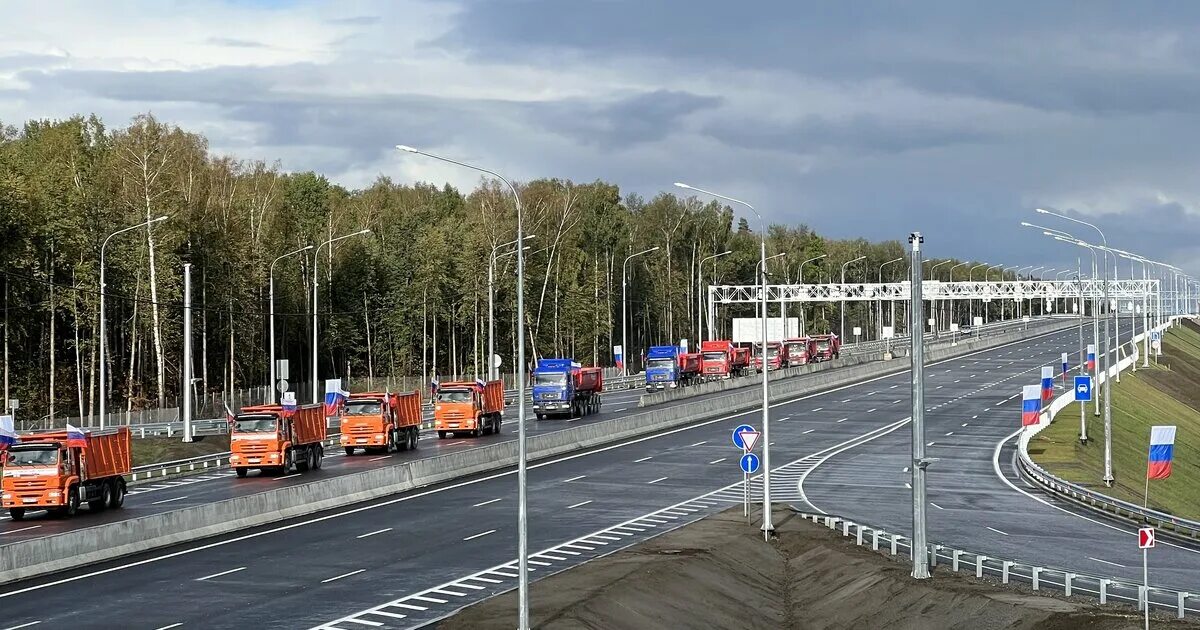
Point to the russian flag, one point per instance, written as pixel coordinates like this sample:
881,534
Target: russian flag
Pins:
75,438
1065,367
8,434
1047,383
1091,358
289,407
1031,405
334,396
1162,445
230,417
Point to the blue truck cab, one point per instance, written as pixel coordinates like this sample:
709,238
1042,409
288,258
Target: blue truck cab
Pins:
662,367
554,386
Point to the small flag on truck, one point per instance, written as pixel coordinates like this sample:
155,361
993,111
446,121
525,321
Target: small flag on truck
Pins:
230,417
8,435
75,438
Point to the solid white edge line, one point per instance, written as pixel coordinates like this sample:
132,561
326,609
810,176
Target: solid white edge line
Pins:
24,625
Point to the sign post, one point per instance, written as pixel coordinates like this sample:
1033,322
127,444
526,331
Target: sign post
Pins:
744,437
1146,543
954,333
857,332
1083,393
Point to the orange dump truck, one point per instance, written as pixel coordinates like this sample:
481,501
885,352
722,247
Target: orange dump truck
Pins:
59,470
267,437
381,422
475,408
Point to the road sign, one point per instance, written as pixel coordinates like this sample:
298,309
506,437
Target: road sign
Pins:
857,330
1083,388
749,439
889,332
282,386
1146,538
1155,336
737,435
977,322
281,369
750,463
496,361
14,404
953,327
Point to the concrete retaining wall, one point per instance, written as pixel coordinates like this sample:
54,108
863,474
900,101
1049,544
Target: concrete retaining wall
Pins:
39,556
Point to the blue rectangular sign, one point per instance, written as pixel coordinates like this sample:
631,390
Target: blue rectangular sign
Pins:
1083,388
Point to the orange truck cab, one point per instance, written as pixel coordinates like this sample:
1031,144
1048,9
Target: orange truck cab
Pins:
266,437
49,471
473,408
381,422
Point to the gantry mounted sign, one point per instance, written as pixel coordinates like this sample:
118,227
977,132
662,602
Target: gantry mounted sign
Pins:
935,290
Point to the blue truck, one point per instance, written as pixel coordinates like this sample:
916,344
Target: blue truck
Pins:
564,388
662,367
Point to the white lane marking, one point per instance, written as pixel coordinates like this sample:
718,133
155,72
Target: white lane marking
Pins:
375,459
580,504
457,443
621,409
344,575
658,480
174,625
287,476
847,400
431,600
706,441
1107,562
870,411
574,479
872,393
24,625
717,461
168,500
487,502
809,431
638,461
378,531
389,502
998,531
23,529
842,420
817,409
896,401
479,535
387,614
964,424
216,575
936,505
949,434
893,387
414,606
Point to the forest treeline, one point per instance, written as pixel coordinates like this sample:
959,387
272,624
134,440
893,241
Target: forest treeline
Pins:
408,298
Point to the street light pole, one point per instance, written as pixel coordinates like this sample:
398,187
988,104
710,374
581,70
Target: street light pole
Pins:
271,299
891,303
624,316
492,373
768,525
971,303
803,325
933,303
919,549
952,268
522,533
700,295
103,321
316,397
842,314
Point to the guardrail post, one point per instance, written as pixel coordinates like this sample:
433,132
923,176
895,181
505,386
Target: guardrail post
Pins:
979,560
1067,577
955,555
858,536
1143,596
1004,567
933,550
1104,591
845,528
1036,577
893,544
1182,609
875,540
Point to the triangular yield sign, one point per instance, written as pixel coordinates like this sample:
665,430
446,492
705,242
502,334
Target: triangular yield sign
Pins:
749,439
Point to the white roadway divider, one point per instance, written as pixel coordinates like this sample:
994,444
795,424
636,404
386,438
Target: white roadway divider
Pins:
1083,496
33,557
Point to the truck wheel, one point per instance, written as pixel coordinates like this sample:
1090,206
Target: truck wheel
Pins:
414,434
287,463
318,457
541,416
496,423
72,507
118,495
349,450
16,513
442,434
102,502
241,472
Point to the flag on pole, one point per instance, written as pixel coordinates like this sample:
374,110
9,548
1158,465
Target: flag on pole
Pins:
1065,367
334,396
1162,446
75,438
289,404
619,357
1031,405
1091,357
230,417
1047,383
8,434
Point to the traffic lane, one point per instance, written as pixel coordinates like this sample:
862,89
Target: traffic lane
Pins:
435,524
172,494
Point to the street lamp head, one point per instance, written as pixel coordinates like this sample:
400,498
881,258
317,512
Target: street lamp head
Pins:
1042,211
726,252
365,231
162,218
653,249
682,185
306,248
406,148
529,236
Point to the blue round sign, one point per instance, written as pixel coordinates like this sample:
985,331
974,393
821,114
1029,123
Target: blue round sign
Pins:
750,463
737,435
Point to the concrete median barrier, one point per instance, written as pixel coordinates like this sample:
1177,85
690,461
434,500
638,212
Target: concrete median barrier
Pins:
39,556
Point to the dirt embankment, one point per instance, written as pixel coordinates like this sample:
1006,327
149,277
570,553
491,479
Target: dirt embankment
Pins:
718,573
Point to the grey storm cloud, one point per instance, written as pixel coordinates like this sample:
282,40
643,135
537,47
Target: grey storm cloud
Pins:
859,134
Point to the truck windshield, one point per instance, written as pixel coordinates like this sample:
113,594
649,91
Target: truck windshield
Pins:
660,364
550,378
364,408
822,345
714,356
454,395
256,424
772,352
33,457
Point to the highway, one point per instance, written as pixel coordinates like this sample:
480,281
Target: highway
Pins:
977,501
459,538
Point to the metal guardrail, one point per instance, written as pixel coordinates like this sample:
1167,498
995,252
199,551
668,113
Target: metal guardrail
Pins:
1040,578
1090,498
200,462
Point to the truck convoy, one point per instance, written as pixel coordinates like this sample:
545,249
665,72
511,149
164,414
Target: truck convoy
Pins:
774,356
824,348
795,351
668,368
269,437
381,422
59,470
475,408
562,387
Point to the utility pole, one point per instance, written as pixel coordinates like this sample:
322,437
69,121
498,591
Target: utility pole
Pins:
920,548
187,352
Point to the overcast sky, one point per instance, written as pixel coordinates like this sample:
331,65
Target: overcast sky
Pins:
858,119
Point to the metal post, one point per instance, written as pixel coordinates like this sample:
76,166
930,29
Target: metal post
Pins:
768,525
187,352
316,395
920,563
1146,583
492,317
1082,355
271,332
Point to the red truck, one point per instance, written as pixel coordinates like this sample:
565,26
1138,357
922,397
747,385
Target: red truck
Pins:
268,437
824,347
715,359
689,367
795,351
740,360
474,408
774,356
59,470
381,422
